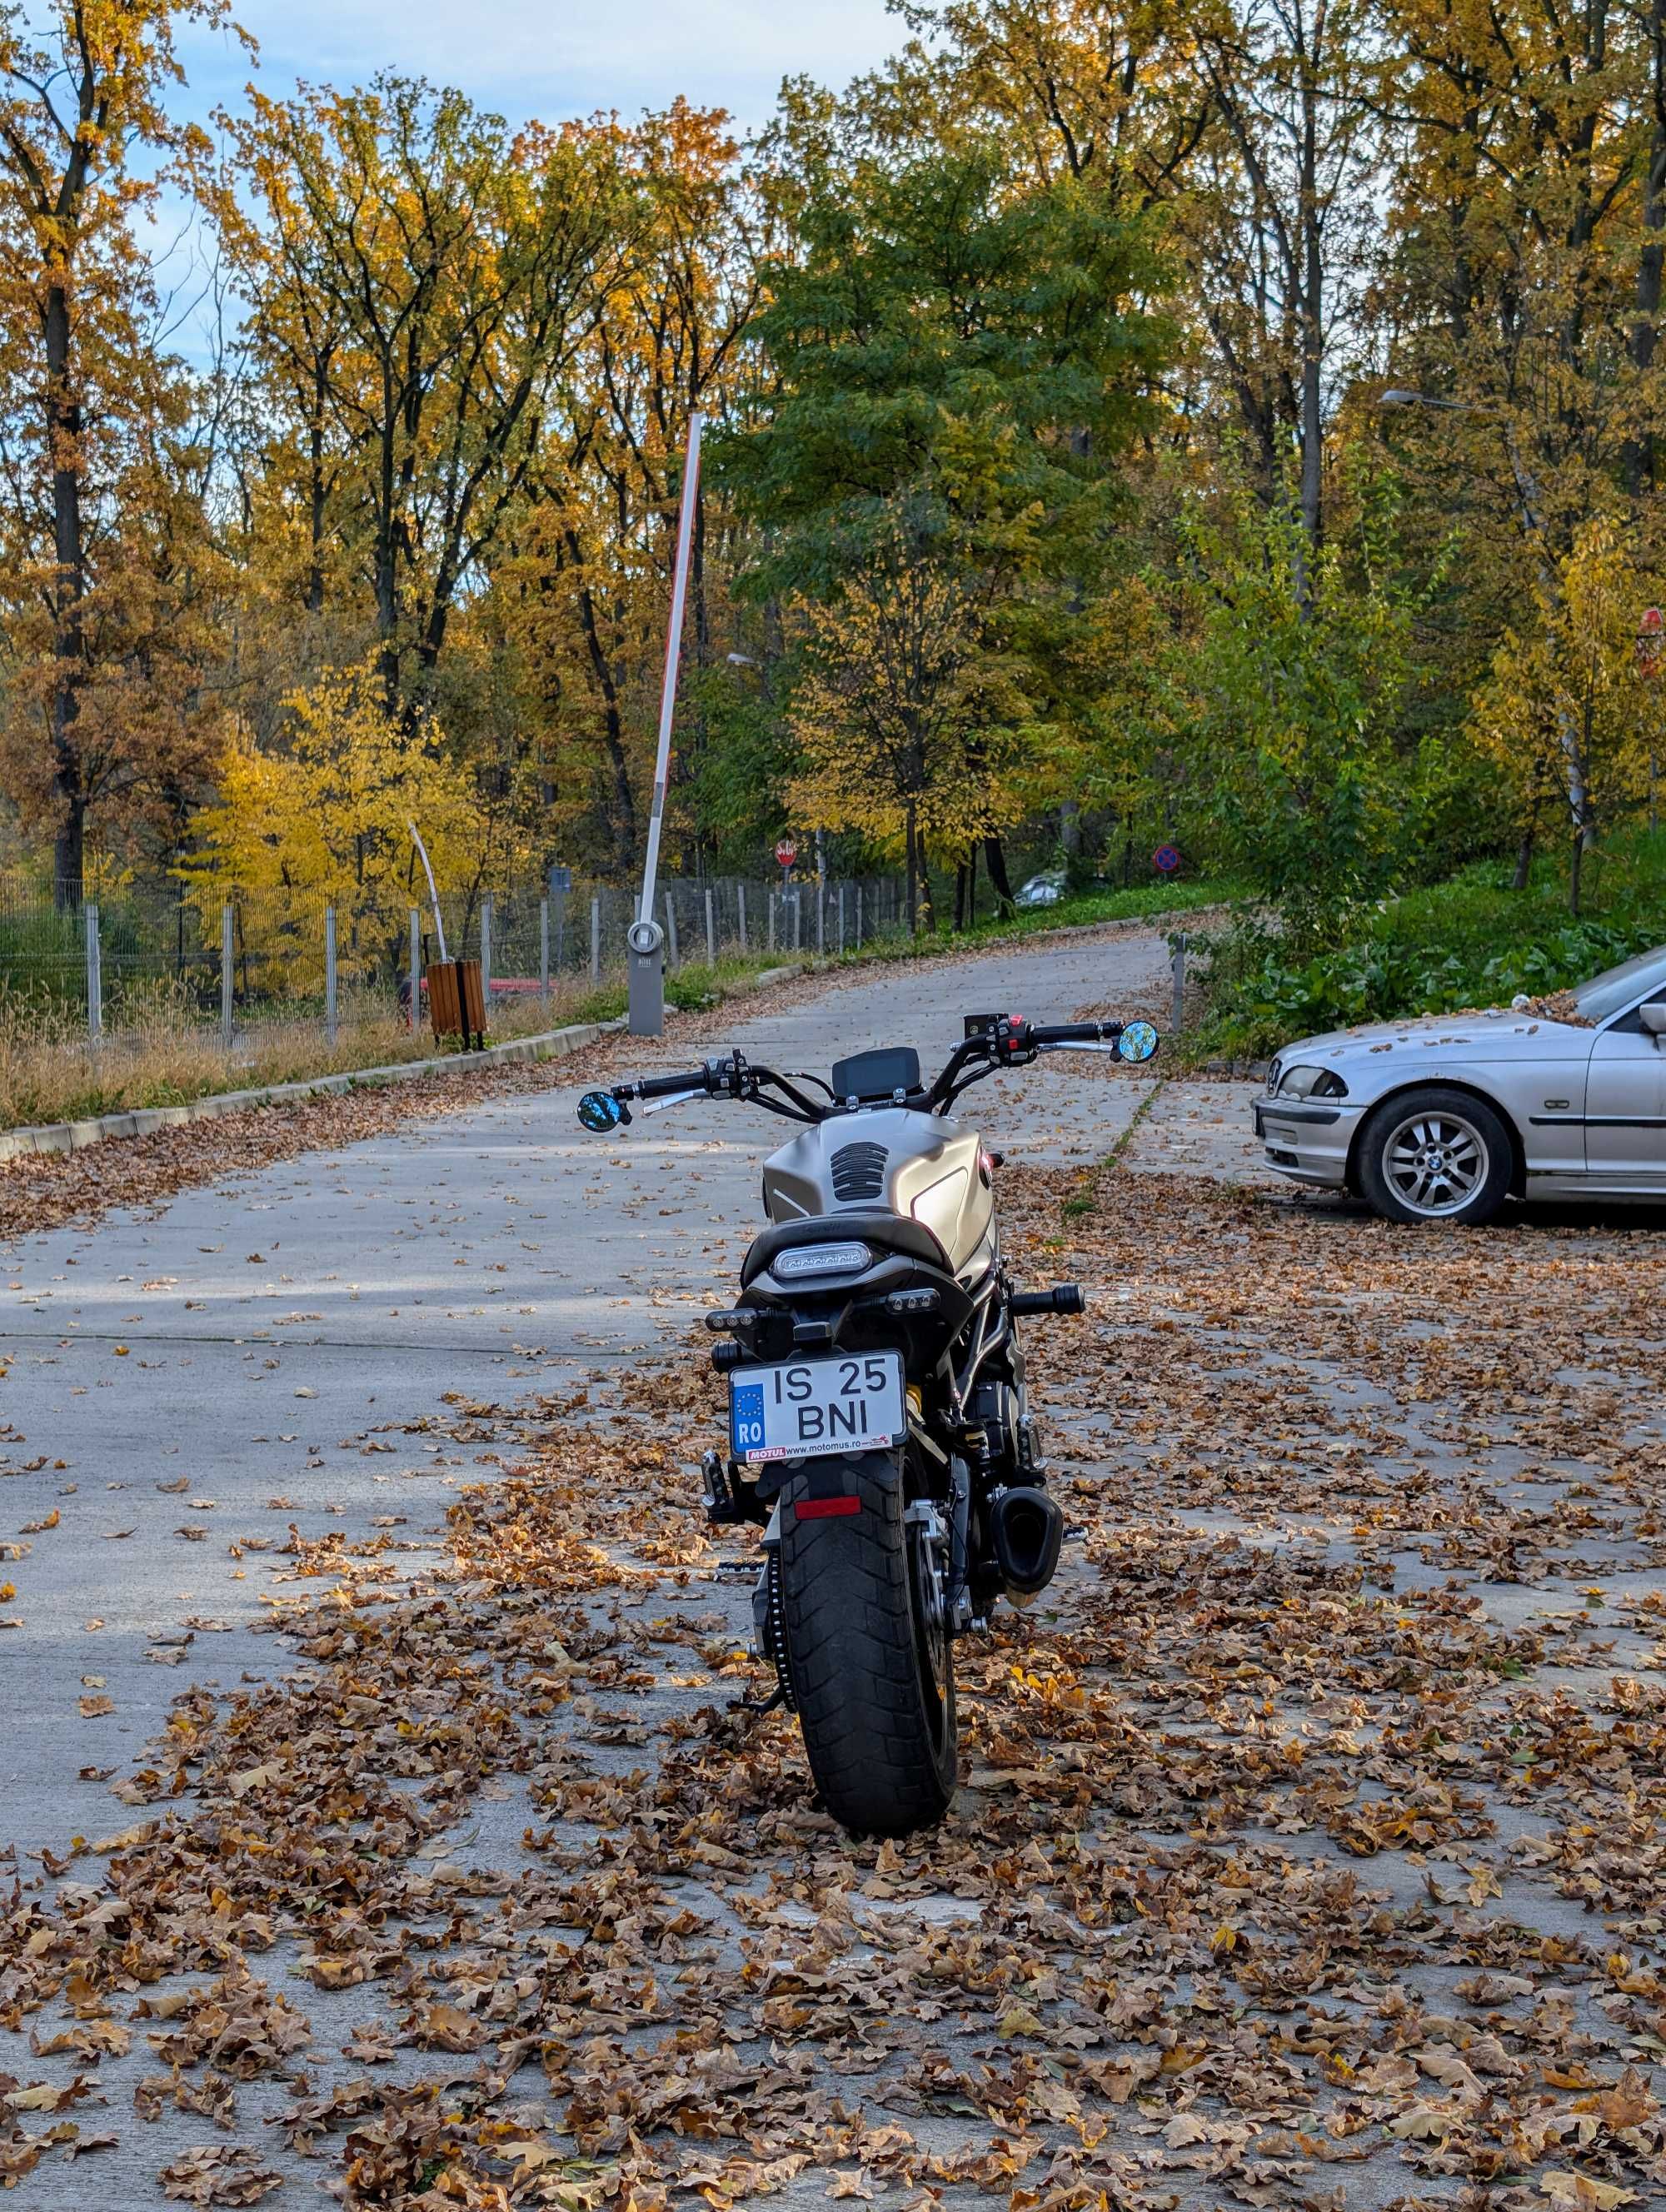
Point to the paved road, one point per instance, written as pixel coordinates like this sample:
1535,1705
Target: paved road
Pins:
181,1390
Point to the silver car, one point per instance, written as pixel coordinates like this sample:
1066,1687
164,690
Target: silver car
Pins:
1444,1117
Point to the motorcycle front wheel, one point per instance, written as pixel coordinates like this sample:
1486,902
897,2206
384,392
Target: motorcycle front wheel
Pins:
868,1652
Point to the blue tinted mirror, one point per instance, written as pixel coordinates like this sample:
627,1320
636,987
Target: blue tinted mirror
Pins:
601,1111
1138,1041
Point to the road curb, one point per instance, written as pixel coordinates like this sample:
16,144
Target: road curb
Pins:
146,1121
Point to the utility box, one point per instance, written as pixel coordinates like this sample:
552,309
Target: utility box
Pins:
457,1002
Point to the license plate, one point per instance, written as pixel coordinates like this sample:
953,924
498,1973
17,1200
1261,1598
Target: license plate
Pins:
812,1407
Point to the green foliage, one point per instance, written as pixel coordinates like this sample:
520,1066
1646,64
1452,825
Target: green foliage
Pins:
1473,941
1295,681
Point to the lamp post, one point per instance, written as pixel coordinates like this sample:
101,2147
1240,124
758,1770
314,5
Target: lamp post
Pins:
1532,520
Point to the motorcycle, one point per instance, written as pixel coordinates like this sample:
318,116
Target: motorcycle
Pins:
879,1428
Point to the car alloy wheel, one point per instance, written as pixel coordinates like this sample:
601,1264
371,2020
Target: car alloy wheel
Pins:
1435,1162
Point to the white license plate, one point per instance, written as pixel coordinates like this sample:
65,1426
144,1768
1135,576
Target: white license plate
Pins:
812,1407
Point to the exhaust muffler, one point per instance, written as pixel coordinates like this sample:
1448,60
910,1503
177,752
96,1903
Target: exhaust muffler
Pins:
1027,1529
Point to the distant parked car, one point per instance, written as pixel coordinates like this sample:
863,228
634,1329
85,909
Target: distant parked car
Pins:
1444,1118
1045,890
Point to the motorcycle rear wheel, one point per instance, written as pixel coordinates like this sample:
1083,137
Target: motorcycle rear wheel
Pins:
870,1660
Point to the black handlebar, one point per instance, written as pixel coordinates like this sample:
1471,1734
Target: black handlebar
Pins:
991,1041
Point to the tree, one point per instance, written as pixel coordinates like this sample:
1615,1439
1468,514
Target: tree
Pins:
1576,681
904,719
965,348
421,280
325,821
79,99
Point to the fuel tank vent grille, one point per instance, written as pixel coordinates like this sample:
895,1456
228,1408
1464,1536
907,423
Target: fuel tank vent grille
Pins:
859,1171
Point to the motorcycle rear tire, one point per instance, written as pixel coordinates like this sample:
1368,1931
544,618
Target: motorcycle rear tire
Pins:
876,1705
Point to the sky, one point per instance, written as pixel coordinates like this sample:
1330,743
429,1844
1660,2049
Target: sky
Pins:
523,58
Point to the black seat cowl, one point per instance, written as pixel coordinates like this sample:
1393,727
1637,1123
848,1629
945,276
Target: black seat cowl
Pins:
885,1232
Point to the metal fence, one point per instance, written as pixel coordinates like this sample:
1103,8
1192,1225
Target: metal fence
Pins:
534,942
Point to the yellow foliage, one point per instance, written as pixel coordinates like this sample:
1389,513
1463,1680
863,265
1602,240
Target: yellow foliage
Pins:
1571,709
326,822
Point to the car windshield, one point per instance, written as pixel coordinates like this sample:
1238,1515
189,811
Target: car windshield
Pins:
1615,987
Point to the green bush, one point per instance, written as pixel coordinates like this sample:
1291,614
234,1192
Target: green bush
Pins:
1473,941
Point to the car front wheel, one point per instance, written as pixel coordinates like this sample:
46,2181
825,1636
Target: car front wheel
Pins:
1435,1155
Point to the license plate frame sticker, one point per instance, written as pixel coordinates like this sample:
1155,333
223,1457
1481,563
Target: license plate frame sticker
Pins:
808,1408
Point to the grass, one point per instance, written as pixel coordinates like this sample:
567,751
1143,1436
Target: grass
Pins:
1150,901
160,1050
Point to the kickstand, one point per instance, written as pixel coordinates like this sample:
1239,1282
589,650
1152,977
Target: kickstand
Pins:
751,1705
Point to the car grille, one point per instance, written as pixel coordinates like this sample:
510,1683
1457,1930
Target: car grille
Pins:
859,1171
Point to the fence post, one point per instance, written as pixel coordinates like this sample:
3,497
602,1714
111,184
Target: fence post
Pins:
770,896
711,932
842,921
1179,941
227,957
329,975
821,916
798,920
416,968
740,910
486,958
544,953
596,938
671,930
94,978
859,917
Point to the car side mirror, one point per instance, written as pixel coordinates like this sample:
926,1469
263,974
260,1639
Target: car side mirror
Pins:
1653,1019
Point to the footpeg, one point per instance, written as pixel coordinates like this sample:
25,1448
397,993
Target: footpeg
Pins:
722,1505
1063,1298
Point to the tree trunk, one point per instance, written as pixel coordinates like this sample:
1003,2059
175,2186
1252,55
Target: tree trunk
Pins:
1638,460
1523,863
911,861
960,895
64,428
1576,868
995,860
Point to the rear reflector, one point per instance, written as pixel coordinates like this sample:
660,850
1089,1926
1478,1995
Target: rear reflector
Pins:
827,1509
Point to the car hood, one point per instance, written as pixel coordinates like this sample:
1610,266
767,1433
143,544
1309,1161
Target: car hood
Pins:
1496,1034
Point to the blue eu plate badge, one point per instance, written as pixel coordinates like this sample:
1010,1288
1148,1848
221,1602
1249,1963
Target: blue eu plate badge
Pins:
745,1417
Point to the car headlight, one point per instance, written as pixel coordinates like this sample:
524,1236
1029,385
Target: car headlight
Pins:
1311,1083
820,1260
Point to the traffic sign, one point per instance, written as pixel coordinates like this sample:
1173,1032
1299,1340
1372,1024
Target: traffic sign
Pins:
786,853
561,879
1651,641
1165,860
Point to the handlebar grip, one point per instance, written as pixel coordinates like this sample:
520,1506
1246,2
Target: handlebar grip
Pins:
668,1086
1074,1032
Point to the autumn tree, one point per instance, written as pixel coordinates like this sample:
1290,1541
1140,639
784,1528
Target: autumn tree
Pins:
1572,713
906,722
89,402
959,343
421,280
323,819
589,574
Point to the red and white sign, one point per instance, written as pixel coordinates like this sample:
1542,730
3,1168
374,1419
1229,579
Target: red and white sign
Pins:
786,853
1651,641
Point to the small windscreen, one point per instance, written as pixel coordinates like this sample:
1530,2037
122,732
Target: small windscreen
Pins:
877,1074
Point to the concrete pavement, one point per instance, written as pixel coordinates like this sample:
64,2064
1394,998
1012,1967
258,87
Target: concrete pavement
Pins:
273,1355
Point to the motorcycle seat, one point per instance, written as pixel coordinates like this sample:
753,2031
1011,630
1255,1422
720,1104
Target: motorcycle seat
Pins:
883,1231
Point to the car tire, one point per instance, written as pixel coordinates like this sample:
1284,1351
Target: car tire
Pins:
1436,1154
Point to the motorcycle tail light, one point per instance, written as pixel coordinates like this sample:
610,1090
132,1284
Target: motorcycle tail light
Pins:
808,1260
